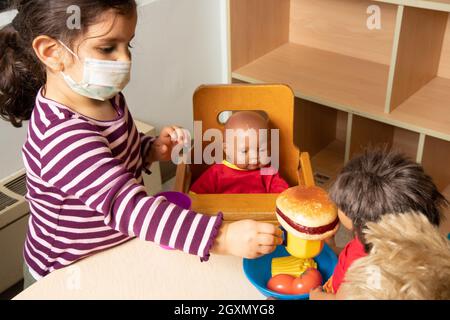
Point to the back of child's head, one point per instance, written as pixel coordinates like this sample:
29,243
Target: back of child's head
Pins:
380,182
410,259
21,72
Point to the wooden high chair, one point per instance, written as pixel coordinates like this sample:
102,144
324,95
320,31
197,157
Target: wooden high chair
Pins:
277,101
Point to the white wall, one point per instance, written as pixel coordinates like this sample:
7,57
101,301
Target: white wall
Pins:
180,44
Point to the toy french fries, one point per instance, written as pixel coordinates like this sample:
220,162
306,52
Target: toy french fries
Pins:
292,266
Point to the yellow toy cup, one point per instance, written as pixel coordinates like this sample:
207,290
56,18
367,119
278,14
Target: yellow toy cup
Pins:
301,248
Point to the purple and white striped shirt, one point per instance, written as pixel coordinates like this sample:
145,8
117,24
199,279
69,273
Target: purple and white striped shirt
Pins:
86,194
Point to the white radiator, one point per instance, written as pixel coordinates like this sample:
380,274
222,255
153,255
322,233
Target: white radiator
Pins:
14,215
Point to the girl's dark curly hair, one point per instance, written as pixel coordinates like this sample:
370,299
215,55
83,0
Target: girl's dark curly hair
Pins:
21,73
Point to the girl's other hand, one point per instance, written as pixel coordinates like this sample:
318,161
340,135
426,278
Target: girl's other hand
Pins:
168,138
248,239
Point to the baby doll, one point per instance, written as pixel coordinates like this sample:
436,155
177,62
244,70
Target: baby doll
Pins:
370,186
409,260
241,171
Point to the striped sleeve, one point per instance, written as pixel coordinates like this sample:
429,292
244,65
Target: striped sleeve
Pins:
77,160
146,145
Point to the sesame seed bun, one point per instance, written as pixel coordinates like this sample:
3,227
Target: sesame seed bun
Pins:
307,213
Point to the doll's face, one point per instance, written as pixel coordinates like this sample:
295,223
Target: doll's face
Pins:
247,155
244,146
346,222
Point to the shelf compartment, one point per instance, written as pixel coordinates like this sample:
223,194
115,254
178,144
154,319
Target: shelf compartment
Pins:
322,49
332,79
421,81
428,110
256,28
341,26
436,159
367,133
321,131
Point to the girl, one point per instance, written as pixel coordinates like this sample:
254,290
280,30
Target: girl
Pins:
83,154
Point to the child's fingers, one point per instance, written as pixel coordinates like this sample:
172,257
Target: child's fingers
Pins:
180,136
187,136
173,135
265,239
263,250
279,233
269,229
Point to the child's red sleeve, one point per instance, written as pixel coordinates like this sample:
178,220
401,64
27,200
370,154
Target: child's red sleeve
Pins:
278,184
352,251
207,182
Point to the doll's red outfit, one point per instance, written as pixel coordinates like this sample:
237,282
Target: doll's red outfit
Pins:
228,178
352,251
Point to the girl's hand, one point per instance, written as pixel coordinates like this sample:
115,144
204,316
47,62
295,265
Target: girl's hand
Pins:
247,239
168,138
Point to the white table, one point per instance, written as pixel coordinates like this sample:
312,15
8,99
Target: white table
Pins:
142,270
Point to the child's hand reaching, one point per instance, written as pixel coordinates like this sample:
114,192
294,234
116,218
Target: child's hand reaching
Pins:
168,138
248,239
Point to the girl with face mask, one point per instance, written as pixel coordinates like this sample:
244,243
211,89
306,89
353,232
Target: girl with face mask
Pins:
84,156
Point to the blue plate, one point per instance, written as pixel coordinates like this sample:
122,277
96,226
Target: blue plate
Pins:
258,271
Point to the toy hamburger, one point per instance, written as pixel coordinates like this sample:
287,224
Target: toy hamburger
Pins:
309,217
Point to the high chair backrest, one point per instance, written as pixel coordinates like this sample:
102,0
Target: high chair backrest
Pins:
276,100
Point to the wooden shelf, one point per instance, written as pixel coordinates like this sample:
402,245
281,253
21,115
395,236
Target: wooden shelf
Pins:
435,161
428,109
324,77
328,162
352,85
440,5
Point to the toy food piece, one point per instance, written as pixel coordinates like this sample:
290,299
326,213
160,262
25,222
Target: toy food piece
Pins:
281,283
309,217
304,283
291,265
287,284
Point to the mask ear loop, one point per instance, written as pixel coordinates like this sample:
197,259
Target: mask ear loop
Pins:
66,77
70,50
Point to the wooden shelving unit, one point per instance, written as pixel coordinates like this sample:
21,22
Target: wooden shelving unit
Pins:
440,5
322,76
355,86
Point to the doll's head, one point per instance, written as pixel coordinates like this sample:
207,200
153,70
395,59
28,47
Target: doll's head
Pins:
410,260
247,137
381,182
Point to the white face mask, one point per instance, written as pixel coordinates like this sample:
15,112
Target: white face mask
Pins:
102,79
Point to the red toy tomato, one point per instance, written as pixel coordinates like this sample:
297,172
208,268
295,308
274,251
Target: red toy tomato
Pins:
281,283
310,279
